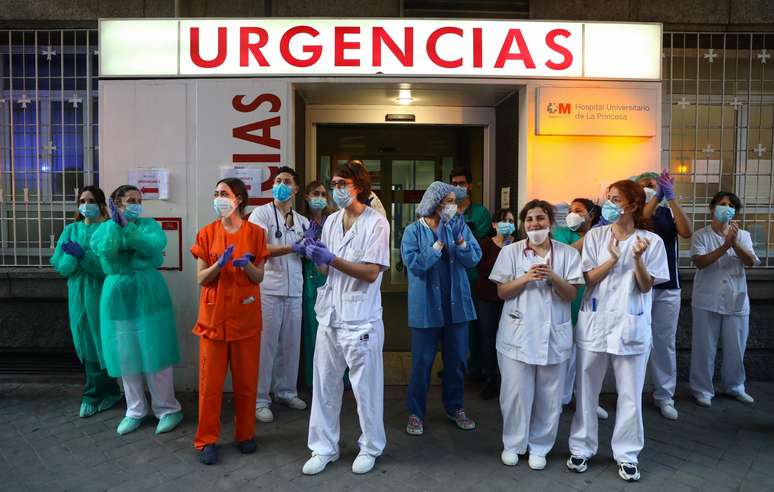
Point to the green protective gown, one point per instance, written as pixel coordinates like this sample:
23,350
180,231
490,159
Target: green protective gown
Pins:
312,280
136,316
84,287
479,220
567,236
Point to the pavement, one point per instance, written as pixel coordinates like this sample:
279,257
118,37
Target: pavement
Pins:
44,445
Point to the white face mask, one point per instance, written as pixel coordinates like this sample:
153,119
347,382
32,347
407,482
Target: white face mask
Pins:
449,211
649,194
574,221
538,237
223,206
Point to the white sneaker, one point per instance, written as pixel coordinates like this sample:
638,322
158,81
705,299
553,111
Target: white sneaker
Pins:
317,463
601,413
295,403
744,397
703,402
537,462
668,411
364,463
509,457
263,414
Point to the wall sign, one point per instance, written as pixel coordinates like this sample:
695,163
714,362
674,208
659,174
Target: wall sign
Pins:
153,183
596,112
173,253
410,47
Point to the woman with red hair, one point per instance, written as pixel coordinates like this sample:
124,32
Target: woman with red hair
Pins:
621,263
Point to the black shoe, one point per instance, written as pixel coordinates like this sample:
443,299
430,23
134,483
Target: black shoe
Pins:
577,464
208,455
247,447
629,471
490,391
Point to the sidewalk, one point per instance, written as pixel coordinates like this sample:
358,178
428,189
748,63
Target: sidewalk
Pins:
45,446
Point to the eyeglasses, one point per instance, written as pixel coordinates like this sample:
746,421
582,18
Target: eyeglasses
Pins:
340,184
459,183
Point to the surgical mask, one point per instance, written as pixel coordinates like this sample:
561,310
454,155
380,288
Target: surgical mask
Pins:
505,228
724,213
281,192
460,192
342,197
574,221
611,212
449,211
318,203
223,206
649,194
538,237
89,210
132,211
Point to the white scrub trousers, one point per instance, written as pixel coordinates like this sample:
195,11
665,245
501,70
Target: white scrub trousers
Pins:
360,350
280,348
663,358
569,378
628,433
732,331
531,403
162,390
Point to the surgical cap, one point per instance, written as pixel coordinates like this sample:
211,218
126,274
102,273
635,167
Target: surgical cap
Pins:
436,192
648,175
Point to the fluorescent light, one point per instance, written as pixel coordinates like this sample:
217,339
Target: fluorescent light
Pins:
404,97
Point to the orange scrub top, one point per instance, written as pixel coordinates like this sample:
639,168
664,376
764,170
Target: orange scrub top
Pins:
229,306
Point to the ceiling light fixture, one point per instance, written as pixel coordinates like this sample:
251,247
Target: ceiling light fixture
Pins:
404,97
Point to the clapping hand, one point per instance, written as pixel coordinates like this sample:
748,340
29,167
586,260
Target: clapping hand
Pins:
73,249
313,232
227,254
639,247
116,214
613,249
666,186
243,260
319,253
457,226
732,231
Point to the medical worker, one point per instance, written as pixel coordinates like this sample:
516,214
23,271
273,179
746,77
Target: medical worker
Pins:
281,296
621,263
583,215
670,223
437,249
74,259
230,253
137,321
354,251
720,305
488,305
537,278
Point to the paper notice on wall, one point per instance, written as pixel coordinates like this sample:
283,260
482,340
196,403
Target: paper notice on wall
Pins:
505,197
153,183
256,178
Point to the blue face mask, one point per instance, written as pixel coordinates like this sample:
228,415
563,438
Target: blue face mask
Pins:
724,213
342,197
133,210
611,212
281,192
89,210
460,193
318,203
505,228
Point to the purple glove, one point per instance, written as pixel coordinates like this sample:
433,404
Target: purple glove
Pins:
666,186
319,253
243,260
227,254
116,214
298,247
313,232
73,249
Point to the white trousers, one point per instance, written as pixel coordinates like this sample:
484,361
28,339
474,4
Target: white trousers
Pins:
280,348
663,358
162,389
732,331
531,403
569,378
629,433
361,351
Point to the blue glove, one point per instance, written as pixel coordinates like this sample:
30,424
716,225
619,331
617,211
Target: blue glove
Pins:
313,232
320,254
242,261
457,226
227,254
298,247
116,214
666,186
73,249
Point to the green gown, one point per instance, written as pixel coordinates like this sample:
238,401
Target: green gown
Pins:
84,287
312,280
567,236
479,220
136,316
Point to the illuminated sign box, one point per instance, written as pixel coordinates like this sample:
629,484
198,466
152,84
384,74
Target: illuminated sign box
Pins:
402,47
596,112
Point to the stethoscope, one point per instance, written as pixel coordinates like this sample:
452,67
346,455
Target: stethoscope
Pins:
278,232
528,248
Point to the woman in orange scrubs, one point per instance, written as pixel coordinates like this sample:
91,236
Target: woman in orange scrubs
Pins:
229,253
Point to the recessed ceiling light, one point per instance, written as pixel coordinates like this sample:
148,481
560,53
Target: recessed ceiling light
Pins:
404,97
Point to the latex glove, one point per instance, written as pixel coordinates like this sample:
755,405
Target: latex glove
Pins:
320,254
299,248
116,214
73,249
457,226
666,186
313,232
242,261
227,254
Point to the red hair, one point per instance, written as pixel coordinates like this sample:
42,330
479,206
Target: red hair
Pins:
635,195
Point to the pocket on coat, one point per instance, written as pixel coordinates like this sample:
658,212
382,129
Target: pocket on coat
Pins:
562,335
354,307
636,330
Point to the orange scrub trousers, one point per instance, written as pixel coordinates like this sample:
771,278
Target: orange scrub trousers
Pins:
229,327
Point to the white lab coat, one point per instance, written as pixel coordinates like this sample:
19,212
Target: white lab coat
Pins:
534,339
614,327
721,310
281,307
350,334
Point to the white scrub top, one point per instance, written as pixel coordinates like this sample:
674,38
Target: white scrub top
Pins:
536,326
283,275
722,286
344,301
615,316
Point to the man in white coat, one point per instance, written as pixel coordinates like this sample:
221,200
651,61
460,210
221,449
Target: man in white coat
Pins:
281,297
